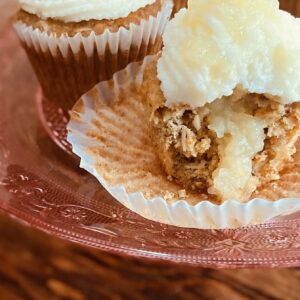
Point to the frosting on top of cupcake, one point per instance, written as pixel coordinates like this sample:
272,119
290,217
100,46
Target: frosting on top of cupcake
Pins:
215,46
83,10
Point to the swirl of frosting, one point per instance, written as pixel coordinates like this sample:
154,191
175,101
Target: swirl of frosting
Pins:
83,10
215,46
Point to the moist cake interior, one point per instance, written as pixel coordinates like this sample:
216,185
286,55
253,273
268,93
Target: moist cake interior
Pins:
227,148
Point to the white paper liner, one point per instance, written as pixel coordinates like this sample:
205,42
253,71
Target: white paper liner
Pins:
204,215
145,32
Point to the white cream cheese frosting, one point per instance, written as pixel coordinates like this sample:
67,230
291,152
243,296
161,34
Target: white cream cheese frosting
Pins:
215,45
241,138
83,10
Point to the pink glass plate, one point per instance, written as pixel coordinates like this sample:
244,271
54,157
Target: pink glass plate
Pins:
54,120
42,186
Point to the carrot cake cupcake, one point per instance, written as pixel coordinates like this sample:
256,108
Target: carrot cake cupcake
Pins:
224,107
73,45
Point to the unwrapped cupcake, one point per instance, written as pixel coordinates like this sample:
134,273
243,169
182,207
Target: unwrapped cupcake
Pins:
224,105
207,136
73,45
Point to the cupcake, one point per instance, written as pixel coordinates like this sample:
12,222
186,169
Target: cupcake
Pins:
213,119
73,45
224,105
179,4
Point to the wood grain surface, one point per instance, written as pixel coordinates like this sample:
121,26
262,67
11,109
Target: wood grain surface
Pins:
35,266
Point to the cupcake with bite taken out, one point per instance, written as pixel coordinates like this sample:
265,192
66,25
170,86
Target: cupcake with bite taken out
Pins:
73,45
213,119
224,104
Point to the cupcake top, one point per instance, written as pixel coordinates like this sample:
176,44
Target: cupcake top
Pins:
215,46
82,10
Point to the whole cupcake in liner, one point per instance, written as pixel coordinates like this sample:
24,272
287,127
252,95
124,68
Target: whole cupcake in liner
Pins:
72,46
109,130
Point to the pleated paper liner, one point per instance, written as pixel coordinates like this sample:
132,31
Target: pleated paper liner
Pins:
109,132
67,66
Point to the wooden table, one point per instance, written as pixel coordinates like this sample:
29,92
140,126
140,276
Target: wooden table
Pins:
39,267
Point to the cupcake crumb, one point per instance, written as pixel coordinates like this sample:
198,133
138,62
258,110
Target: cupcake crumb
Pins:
170,178
147,195
169,195
182,194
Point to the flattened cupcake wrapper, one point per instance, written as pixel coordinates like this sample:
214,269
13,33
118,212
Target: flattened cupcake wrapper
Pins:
145,32
109,132
68,67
